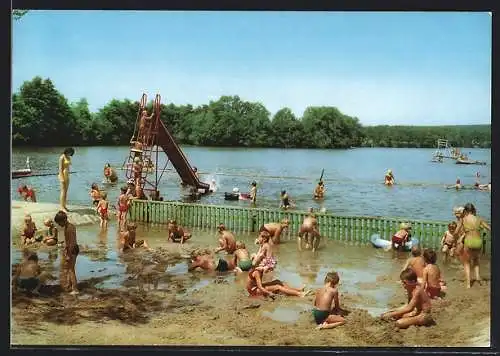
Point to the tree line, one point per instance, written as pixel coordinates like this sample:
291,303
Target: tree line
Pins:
42,116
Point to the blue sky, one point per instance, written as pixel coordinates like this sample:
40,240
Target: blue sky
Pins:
384,68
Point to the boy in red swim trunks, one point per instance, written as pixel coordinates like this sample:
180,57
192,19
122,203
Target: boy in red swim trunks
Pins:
401,237
418,309
432,281
327,304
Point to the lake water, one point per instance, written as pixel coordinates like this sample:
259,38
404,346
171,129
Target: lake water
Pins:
353,178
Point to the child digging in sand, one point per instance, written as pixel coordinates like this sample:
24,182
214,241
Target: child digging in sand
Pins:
29,276
242,258
50,239
327,304
418,309
128,239
432,282
28,231
416,263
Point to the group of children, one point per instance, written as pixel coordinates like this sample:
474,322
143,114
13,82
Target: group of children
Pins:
29,232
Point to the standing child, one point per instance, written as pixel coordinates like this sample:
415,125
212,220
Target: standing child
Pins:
285,200
137,168
242,258
418,309
264,259
327,304
28,231
102,210
448,242
253,192
432,281
123,202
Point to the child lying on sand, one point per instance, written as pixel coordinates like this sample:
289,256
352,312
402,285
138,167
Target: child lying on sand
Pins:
418,309
327,304
255,287
205,260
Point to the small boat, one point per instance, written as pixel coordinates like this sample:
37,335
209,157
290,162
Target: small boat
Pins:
379,242
20,173
467,161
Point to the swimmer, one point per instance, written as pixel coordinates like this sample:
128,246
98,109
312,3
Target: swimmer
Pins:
285,200
102,210
309,232
448,241
457,185
275,229
28,231
128,239
319,191
255,287
27,193
227,241
389,178
50,239
29,275
400,238
206,261
242,259
418,309
416,263
432,282
95,194
264,258
176,233
327,303
110,174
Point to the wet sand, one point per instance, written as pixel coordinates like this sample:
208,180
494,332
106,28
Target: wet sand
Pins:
221,313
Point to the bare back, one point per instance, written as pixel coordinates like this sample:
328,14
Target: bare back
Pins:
230,240
417,264
432,275
29,269
324,298
241,254
421,299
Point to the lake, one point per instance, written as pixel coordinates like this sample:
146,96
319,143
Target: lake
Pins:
353,178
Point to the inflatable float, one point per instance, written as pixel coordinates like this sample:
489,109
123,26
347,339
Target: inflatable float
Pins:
379,242
236,196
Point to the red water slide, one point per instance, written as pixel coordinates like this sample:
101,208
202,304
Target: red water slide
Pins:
174,153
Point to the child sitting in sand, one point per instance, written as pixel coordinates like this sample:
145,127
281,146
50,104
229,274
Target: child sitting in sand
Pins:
255,287
432,281
418,309
28,231
416,263
102,210
128,239
264,258
176,232
205,260
448,242
50,239
242,258
28,275
327,304
95,194
27,193
400,238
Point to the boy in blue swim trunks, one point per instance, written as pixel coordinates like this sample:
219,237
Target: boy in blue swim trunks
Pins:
327,304
242,259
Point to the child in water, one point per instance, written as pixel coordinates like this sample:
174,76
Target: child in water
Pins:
128,238
448,242
432,281
327,304
400,238
319,191
95,194
285,200
418,309
253,192
27,193
242,258
102,210
28,231
123,203
176,232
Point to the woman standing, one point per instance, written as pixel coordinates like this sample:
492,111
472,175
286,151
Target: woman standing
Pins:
70,253
470,242
64,164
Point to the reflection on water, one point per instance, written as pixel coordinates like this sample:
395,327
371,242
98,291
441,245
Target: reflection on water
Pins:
353,178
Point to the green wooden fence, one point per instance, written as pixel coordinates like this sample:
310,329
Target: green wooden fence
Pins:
352,229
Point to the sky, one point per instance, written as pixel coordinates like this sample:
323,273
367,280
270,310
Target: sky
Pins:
385,68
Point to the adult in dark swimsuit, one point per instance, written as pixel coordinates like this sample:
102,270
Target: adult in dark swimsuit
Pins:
70,253
471,241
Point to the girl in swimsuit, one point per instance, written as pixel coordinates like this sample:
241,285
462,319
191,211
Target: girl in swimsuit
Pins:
27,193
264,258
123,202
472,242
70,253
64,164
102,210
255,287
448,242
